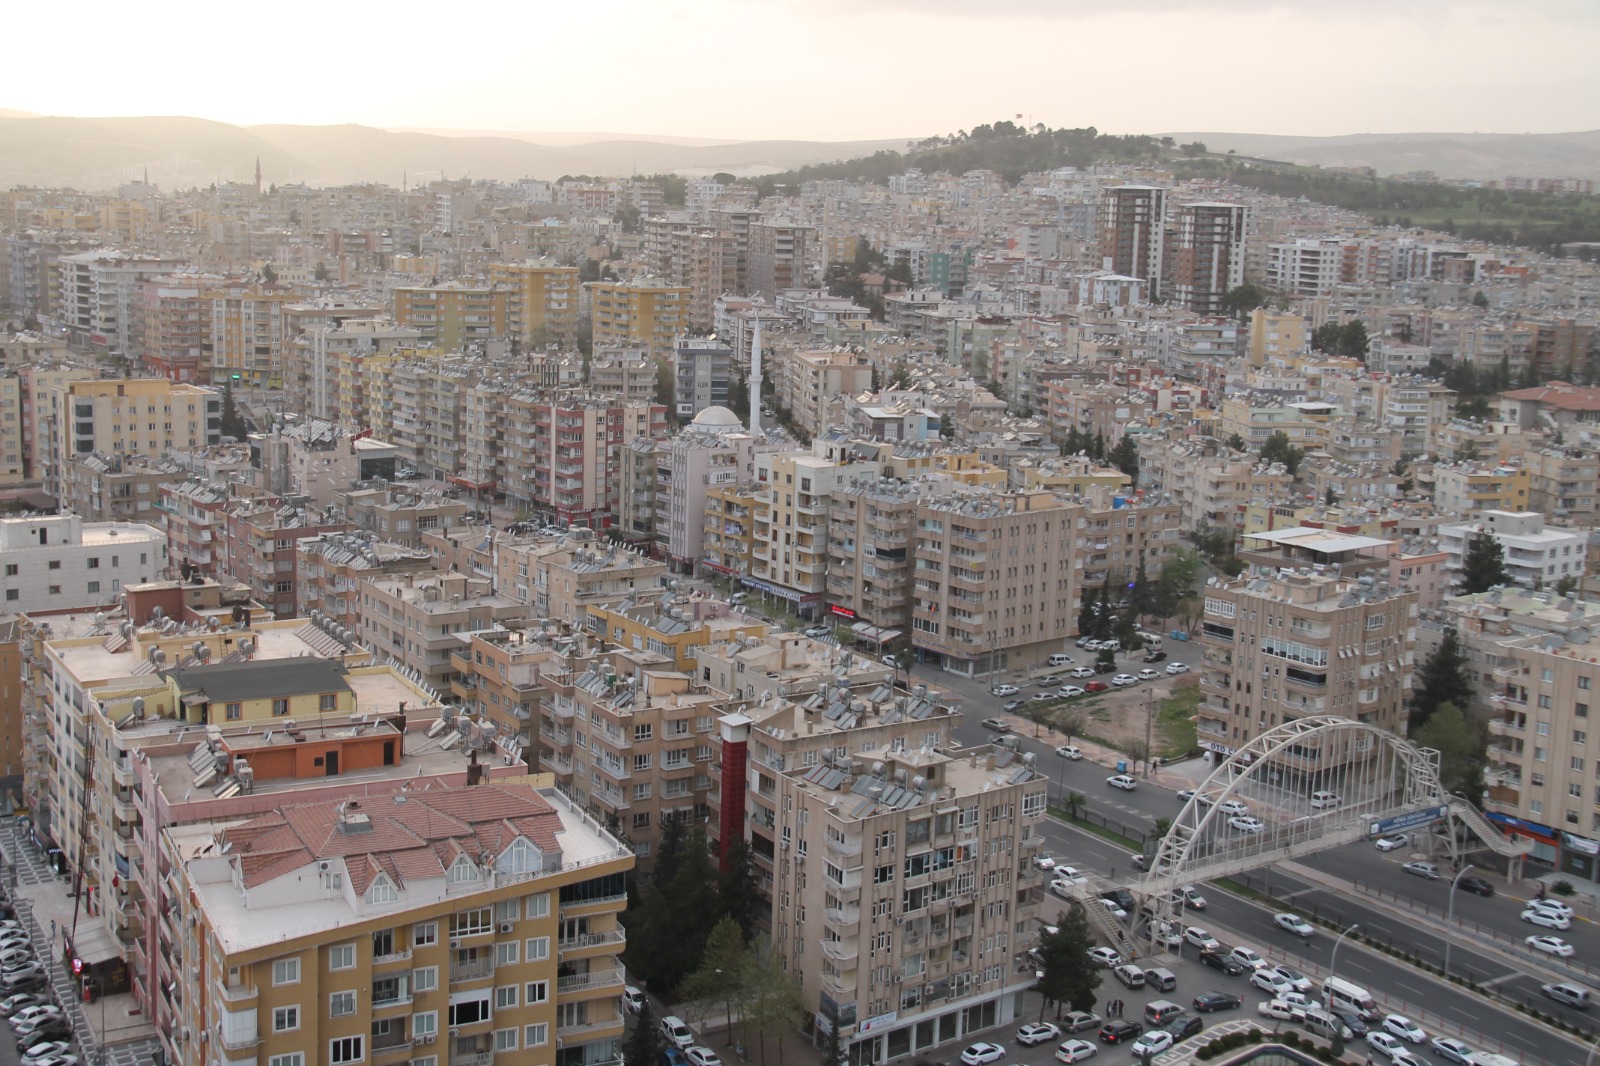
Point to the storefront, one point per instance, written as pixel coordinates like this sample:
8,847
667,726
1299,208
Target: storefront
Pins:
1546,845
1580,856
911,1030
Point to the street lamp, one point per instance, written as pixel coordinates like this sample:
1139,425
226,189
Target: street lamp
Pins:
1450,917
1333,963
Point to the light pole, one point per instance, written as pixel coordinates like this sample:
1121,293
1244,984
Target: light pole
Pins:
1333,962
1450,917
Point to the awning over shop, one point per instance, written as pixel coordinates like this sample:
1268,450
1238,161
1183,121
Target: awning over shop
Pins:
93,944
863,631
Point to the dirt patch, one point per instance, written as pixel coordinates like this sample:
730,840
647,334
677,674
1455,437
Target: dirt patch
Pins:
1118,719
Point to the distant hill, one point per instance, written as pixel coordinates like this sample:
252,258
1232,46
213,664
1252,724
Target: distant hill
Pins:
1449,155
93,153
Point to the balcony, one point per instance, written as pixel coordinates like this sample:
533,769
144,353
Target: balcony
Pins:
477,1058
608,943
237,996
841,950
609,977
844,920
581,906
577,1030
476,969
846,848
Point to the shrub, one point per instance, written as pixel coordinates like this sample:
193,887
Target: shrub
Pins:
1563,888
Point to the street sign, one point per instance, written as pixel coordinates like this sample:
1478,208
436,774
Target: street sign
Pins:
1401,822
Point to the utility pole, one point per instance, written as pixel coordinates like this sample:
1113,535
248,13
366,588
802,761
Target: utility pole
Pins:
1149,722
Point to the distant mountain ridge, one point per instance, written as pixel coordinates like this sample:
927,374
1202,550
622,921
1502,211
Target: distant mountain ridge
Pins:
1449,155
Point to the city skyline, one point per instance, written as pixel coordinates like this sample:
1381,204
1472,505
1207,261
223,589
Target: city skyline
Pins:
1481,67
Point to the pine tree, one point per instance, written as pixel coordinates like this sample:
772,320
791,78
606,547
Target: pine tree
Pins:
1070,976
832,1048
737,887
1484,565
232,422
645,1043
1125,457
1442,678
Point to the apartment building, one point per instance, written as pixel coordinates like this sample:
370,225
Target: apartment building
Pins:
175,326
330,567
1535,556
458,926
61,562
790,516
871,525
455,315
703,370
496,676
248,336
152,416
99,292
256,546
646,312
630,738
628,373
319,461
714,449
1117,535
1206,256
1256,418
1304,267
1468,488
118,488
418,618
911,927
1563,483
335,366
782,255
570,470
541,301
996,579
1286,644
402,514
565,577
806,379
1133,233
677,628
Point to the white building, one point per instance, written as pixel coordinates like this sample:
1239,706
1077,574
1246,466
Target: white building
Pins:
1306,267
1533,554
56,562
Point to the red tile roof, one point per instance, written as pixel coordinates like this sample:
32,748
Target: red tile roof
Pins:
1559,394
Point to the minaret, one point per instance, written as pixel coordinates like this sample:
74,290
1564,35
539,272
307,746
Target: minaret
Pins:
258,175
755,379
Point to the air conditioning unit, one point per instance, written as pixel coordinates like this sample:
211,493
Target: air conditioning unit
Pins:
784,845
454,943
455,1032
428,1039
506,927
417,1040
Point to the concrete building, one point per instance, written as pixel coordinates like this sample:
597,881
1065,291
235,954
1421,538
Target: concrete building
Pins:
1535,556
417,618
455,315
151,416
782,255
256,546
1133,233
871,527
319,460
1304,267
567,466
563,578
806,379
99,295
403,514
646,312
118,488
712,450
1563,483
1464,489
996,578
248,337
61,562
1206,254
330,567
790,516
541,301
1280,645
628,373
703,370
678,628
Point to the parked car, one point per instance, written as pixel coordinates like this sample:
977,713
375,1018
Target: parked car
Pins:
677,1032
1081,672
1426,870
818,632
1555,906
1122,781
1404,1028
1155,656
1220,961
998,690
1044,862
11,1004
1075,1051
1070,874
1119,1031
1096,686
1124,680
1068,751
1206,1002
1152,1043
997,724
1105,956
982,1053
1234,806
1079,1020
1013,706
1201,939
1105,668
1177,668
1244,823
46,1048
1068,692
1322,800
1037,1033
1391,843
1248,957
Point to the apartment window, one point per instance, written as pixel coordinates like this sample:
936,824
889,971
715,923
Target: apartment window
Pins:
294,1058
538,949
506,954
55,564
383,891
505,1040
471,923
472,1010
280,707
425,979
642,733
93,586
538,906
327,702
1580,737
505,997
341,1004
1583,683
286,972
235,711
11,570
94,562
285,1019
536,1035
55,590
1544,701
641,762
641,792
347,1049
13,594
425,1024
424,934
1577,763
1580,710
535,992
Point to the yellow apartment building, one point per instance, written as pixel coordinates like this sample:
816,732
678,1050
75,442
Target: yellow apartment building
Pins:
646,312
453,315
541,301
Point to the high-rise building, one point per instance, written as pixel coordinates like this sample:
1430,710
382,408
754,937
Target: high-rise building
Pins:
453,315
60,562
646,312
703,369
781,255
1207,254
248,337
541,301
1278,645
148,415
1535,555
1132,232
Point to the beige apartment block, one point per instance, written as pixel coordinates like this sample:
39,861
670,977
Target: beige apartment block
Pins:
151,416
790,558
541,302
996,580
1117,534
330,567
118,488
805,379
403,514
1277,335
1280,645
646,312
451,927
562,576
1469,488
417,617
453,315
1562,483
871,529
497,676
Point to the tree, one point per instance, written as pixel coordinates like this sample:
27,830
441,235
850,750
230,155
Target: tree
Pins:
1070,976
667,388
1461,742
739,397
1479,300
1241,300
1279,449
321,273
269,275
1566,586
1125,457
1330,496
832,1048
736,885
645,1043
1237,443
1193,149
1442,678
777,1005
723,974
232,424
1074,803
670,850
1484,565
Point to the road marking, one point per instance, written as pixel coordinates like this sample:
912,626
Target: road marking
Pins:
1502,979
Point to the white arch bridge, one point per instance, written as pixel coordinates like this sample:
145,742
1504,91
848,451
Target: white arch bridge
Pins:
1305,786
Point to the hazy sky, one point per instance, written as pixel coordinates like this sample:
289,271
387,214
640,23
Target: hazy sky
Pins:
821,69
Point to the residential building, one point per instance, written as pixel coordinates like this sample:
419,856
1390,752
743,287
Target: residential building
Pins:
100,293
677,628
1277,645
1206,255
1133,233
417,618
330,567
805,380
568,466
628,373
1559,406
256,546
318,460
782,255
565,577
646,312
61,562
1464,489
1305,266
871,525
714,449
790,514
118,488
456,315
703,369
541,301
1563,483
402,514
496,676
248,337
1320,549
152,416
1535,556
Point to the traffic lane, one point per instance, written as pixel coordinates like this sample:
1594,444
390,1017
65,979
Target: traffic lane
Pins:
1499,914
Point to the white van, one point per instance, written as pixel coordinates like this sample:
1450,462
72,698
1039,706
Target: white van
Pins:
1059,660
1150,640
1338,992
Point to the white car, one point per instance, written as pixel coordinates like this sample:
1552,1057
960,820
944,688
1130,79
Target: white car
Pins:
1114,909
1271,983
1390,843
1547,919
1192,898
1177,668
1293,923
1454,1051
1148,674
1280,1010
1404,1028
1297,980
1167,933
1044,862
1386,1043
1243,823
1550,945
1068,692
702,1056
1037,1033
1080,672
1234,806
982,1053
1005,690
1200,938
1554,906
1075,1051
1151,1043
1062,887
1199,797
46,1050
1105,956
1069,751
1249,958
1323,800
1123,680
1122,781
1070,874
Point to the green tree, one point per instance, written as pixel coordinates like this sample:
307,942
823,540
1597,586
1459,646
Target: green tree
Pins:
1484,565
1070,978
777,1005
724,971
645,1043
667,388
1237,443
832,1047
1097,450
736,885
1479,300
1125,457
1278,449
1074,804
1330,497
1193,149
669,852
1442,678
739,397
1243,299
232,423
1566,586
321,273
1461,742
269,275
